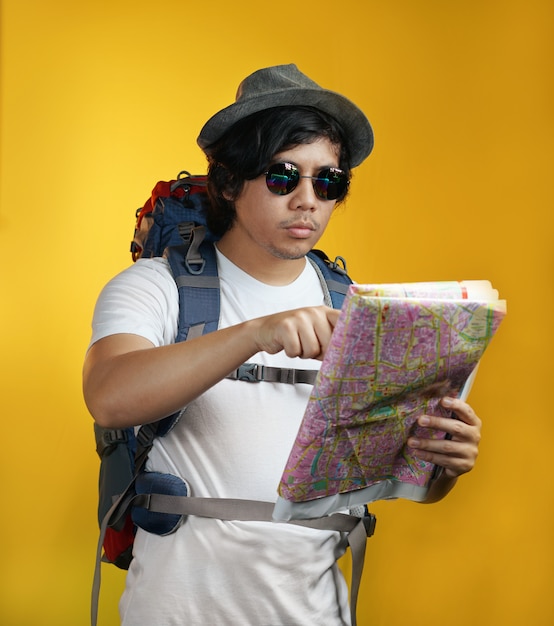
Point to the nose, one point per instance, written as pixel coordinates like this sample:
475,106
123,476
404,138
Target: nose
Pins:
303,197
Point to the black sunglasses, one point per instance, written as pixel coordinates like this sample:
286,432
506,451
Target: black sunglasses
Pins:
330,184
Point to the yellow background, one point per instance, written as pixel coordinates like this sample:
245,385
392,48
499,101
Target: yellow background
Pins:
101,98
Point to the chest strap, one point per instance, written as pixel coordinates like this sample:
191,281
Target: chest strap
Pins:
255,373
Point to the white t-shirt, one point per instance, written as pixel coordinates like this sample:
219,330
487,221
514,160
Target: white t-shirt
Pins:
232,442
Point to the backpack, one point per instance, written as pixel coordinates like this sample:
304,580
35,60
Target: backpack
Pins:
172,222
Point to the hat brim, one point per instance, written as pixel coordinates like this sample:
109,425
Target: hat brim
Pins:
353,121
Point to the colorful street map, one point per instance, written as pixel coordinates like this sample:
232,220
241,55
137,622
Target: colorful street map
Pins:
395,351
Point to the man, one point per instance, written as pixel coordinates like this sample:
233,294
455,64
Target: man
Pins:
279,161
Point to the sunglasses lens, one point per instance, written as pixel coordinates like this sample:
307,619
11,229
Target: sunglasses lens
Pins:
282,178
331,184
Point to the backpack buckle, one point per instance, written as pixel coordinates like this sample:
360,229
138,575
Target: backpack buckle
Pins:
370,521
339,265
249,372
108,438
193,235
368,518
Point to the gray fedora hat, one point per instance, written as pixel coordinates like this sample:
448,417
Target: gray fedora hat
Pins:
286,85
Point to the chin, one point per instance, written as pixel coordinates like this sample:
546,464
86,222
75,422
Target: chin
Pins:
290,254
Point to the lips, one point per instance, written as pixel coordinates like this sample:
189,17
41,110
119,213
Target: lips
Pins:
301,230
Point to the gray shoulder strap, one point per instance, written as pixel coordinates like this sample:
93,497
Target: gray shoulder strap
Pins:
326,295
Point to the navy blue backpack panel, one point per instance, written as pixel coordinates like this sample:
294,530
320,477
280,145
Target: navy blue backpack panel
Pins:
166,216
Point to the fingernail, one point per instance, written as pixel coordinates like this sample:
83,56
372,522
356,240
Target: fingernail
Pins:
447,401
424,420
413,443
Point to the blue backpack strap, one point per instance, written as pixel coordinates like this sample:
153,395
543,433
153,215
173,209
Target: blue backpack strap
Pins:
194,267
333,276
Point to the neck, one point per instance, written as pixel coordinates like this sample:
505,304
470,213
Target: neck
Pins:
262,264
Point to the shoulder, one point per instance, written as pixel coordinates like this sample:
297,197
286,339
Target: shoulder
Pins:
142,299
145,271
145,280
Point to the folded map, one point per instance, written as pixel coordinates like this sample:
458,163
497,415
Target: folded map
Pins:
395,352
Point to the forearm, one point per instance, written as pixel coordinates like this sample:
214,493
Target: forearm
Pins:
146,383
127,381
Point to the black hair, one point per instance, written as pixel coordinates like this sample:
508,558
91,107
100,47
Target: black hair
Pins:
247,148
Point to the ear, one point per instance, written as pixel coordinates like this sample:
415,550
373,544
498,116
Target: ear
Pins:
227,180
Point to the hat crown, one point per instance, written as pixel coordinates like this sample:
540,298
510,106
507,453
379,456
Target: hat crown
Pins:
271,79
286,85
